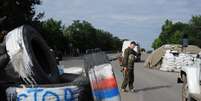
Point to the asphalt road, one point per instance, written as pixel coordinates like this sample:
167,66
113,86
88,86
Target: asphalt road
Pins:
151,85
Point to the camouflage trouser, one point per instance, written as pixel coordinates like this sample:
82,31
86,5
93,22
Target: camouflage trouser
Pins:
128,79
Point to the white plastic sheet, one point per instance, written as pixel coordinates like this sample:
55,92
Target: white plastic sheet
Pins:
193,77
126,45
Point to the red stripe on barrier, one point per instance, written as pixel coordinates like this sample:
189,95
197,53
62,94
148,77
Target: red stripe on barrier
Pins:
107,83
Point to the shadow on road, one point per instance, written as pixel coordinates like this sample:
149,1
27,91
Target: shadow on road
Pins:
153,88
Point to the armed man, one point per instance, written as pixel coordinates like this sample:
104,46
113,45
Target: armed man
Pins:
128,67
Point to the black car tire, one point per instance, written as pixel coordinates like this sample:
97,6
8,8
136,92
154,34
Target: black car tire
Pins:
44,66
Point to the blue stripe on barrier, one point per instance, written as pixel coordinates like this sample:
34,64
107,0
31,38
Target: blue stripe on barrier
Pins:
106,93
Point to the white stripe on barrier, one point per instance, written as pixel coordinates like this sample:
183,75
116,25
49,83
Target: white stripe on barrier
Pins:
73,70
67,93
104,70
19,56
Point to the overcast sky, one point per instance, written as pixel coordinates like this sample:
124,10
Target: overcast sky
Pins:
139,20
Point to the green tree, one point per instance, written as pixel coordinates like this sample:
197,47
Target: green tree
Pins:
195,30
176,38
84,36
52,31
18,12
157,43
172,32
81,34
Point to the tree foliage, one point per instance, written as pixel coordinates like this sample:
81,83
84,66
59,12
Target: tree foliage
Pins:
18,12
52,31
172,33
81,34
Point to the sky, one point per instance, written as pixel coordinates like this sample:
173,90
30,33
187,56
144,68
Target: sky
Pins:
138,20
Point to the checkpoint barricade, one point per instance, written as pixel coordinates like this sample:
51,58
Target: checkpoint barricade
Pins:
102,79
62,92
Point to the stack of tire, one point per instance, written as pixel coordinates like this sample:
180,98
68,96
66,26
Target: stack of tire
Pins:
33,52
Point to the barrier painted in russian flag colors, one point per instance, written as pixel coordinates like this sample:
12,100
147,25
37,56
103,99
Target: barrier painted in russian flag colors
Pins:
103,83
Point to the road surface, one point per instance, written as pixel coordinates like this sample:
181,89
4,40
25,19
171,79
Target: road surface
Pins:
151,85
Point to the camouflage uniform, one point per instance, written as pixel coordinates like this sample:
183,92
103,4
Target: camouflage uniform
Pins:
128,61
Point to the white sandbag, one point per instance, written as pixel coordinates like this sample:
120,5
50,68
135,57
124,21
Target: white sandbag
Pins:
164,69
168,63
179,60
193,77
175,63
188,59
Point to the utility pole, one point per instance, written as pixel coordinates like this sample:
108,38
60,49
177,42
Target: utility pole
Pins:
184,42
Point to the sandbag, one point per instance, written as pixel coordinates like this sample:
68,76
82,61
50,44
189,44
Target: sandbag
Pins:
30,56
172,62
168,63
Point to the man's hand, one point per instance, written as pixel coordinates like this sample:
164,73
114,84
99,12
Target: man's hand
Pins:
4,58
124,69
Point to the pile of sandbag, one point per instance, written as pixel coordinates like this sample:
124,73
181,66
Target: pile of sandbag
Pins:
184,59
168,63
172,62
179,60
